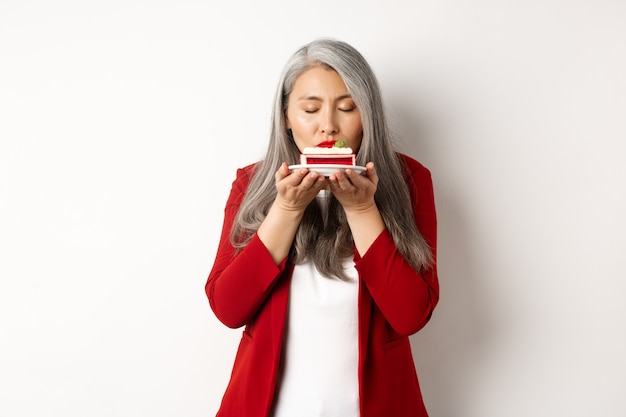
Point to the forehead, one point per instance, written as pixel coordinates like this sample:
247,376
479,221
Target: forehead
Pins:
319,80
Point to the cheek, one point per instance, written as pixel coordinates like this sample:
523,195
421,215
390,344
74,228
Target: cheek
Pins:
288,117
356,133
301,123
356,127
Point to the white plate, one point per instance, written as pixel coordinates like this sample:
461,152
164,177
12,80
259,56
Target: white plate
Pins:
327,169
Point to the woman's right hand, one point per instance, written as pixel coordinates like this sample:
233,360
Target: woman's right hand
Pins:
296,190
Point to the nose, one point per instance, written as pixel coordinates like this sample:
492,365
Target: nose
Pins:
328,124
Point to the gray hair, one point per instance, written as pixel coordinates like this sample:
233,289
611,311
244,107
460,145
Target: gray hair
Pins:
327,240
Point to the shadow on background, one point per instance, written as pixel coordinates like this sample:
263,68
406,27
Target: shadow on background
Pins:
449,351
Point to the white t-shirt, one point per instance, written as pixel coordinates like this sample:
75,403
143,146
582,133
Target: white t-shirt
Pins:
319,375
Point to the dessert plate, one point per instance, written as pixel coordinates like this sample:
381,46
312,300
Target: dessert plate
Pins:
327,169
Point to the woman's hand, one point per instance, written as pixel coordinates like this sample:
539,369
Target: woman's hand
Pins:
296,190
294,193
356,194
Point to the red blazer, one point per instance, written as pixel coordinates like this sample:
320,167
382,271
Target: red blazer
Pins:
395,301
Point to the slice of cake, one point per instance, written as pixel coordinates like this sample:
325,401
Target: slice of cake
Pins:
328,153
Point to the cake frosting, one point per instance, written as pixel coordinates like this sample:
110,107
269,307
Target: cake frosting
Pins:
328,153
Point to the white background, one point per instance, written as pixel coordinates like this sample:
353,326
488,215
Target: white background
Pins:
122,124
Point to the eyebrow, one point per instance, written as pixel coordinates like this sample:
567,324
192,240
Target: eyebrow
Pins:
316,98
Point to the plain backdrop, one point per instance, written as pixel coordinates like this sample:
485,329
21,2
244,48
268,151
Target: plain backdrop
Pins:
122,124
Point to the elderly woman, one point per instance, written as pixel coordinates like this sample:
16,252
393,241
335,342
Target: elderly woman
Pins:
329,273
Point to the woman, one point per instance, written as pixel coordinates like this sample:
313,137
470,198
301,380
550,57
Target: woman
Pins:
329,275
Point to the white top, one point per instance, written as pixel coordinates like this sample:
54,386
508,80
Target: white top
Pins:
320,361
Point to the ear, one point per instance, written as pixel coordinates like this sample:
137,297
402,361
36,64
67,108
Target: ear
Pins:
287,123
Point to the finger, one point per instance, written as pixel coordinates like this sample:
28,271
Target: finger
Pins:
319,182
282,173
297,176
348,178
332,183
371,173
310,179
335,179
351,174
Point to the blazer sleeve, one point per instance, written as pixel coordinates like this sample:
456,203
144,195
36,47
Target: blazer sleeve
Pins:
405,297
240,281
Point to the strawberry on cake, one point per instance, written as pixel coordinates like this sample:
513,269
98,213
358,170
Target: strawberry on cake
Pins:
330,152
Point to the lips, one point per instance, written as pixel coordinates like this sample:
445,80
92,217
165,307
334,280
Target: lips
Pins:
326,144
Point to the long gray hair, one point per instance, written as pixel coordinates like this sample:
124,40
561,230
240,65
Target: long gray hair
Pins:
326,240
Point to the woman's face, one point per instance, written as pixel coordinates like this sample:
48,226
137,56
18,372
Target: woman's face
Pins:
320,109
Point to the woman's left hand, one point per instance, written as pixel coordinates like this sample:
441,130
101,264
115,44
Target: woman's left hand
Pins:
355,192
